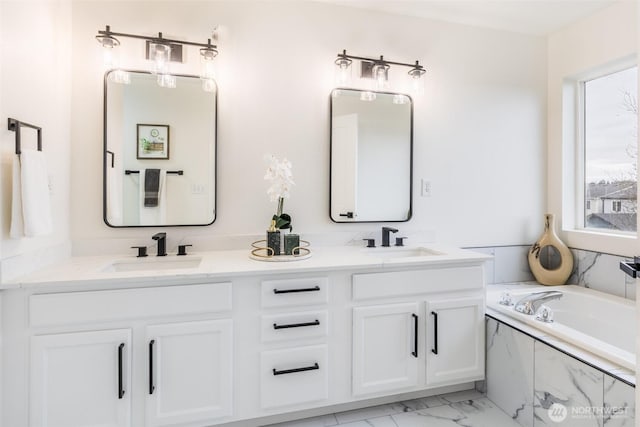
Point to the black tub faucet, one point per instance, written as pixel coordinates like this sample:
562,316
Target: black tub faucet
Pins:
162,243
385,235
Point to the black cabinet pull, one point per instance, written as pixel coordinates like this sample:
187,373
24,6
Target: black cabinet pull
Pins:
296,325
434,350
290,291
415,335
120,379
291,371
152,387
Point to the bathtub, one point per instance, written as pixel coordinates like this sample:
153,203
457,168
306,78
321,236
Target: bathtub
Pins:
602,324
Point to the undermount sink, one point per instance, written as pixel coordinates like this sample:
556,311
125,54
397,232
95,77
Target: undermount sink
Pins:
152,263
402,252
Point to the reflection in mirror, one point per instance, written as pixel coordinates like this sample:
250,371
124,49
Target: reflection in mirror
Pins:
160,152
371,156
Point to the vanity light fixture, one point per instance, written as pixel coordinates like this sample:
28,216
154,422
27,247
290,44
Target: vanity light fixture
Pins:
376,70
162,51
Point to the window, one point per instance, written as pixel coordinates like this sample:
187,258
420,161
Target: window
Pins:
616,206
610,126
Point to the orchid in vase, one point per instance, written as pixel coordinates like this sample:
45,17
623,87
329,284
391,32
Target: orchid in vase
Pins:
279,173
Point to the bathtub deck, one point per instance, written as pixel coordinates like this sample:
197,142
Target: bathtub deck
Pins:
468,408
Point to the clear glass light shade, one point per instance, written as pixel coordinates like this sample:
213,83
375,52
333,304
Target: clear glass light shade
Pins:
381,77
160,54
166,80
343,71
207,69
416,81
109,57
207,64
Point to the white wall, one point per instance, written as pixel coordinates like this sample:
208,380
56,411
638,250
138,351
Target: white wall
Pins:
478,137
605,38
34,87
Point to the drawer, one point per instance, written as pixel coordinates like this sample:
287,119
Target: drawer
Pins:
295,292
293,326
414,282
293,376
101,306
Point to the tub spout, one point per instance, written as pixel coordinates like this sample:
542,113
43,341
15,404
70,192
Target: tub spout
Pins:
530,304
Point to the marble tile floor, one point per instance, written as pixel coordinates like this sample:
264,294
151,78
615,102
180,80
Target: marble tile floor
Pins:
465,408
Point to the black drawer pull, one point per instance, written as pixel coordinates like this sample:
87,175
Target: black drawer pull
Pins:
296,325
434,350
120,379
415,335
291,371
290,291
152,387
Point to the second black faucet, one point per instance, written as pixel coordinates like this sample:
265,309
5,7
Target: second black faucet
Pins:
162,243
385,235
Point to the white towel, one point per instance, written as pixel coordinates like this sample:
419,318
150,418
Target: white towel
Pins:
156,215
31,204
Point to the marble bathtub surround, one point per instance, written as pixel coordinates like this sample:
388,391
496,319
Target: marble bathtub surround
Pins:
559,379
619,402
509,365
466,408
527,378
626,376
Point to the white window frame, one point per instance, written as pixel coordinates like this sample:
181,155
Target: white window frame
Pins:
573,138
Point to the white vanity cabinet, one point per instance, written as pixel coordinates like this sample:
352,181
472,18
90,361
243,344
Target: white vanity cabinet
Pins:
154,370
417,329
190,369
386,353
244,348
455,334
81,379
294,368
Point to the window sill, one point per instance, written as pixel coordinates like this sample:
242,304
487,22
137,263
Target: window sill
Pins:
590,240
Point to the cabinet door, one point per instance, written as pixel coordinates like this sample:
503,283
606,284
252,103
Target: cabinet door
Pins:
81,379
455,343
189,372
386,353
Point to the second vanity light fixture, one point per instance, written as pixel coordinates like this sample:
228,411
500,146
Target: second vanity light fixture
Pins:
376,72
162,52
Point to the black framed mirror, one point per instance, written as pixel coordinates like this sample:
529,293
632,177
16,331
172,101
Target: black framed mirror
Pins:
371,166
159,152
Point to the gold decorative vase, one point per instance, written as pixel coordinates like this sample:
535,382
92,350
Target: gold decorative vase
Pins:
542,269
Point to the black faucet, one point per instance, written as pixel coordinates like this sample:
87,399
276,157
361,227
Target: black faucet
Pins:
385,235
162,243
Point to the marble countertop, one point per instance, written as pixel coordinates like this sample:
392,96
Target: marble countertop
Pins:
97,270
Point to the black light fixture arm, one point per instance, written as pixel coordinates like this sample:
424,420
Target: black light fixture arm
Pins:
107,32
381,60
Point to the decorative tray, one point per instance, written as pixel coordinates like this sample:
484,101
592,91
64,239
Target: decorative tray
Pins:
264,253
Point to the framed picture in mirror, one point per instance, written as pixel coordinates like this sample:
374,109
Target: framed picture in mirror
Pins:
153,141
